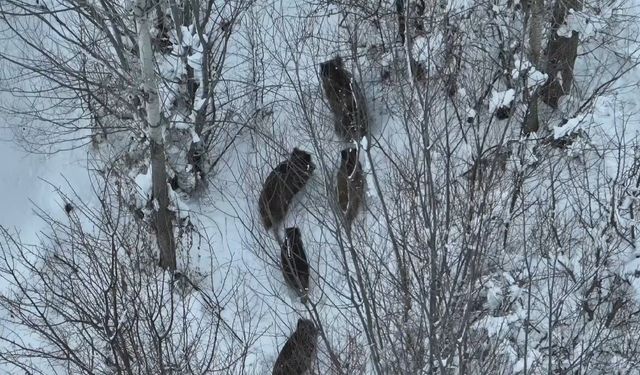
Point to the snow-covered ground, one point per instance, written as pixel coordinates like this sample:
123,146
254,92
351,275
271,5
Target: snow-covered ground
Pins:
32,180
235,254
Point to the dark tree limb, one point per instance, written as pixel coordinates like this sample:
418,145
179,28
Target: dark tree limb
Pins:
561,55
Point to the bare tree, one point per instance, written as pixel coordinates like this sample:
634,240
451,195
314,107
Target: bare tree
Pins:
163,222
476,250
459,262
65,102
88,298
117,92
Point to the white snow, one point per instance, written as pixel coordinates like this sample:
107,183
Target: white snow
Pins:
179,206
387,59
569,127
195,138
471,113
231,245
494,295
366,169
532,357
495,325
501,99
535,78
428,49
587,24
143,185
199,102
520,65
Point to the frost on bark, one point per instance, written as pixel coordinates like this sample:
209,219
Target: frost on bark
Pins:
162,216
561,55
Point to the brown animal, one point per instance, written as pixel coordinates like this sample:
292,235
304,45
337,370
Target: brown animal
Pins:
295,267
296,356
282,184
345,100
350,185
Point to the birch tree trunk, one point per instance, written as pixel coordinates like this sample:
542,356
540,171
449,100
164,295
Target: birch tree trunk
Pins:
162,217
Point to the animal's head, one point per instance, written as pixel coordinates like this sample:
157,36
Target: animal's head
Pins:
329,67
302,160
292,233
349,157
307,326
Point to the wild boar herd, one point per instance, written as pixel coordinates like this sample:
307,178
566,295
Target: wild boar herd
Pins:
351,124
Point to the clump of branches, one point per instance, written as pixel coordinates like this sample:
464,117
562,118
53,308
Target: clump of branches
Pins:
88,298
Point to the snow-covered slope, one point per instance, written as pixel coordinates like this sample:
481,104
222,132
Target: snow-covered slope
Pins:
479,249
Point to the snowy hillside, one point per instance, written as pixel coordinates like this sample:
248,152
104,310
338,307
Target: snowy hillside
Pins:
497,232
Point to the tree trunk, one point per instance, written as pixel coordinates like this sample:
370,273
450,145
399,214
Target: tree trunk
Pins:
561,55
163,223
162,217
400,13
535,16
536,25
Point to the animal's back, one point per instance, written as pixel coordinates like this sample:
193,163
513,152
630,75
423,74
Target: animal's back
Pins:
282,184
350,185
346,100
299,172
273,202
360,116
295,266
296,356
